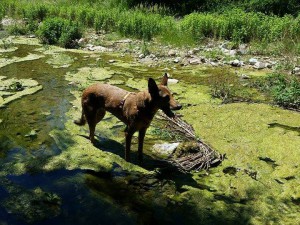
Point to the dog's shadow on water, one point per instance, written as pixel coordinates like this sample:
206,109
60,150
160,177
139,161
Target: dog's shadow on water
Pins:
146,195
164,169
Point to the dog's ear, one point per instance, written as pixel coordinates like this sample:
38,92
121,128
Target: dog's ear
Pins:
152,87
164,80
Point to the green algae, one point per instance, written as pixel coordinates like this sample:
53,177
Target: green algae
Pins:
7,94
87,75
10,49
23,40
60,60
79,153
242,132
29,57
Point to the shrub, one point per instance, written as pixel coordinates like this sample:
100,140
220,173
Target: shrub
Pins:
36,12
17,29
285,90
70,33
59,31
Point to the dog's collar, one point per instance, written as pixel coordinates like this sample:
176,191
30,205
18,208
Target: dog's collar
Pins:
124,99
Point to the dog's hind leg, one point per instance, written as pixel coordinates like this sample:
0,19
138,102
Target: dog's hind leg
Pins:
81,121
100,114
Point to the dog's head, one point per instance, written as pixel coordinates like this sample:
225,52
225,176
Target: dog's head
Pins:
162,96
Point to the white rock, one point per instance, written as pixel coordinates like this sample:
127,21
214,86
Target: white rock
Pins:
214,63
296,71
172,52
165,149
172,81
177,60
260,65
194,61
236,63
252,61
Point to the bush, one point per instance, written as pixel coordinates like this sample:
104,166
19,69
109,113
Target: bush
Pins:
17,29
285,90
59,31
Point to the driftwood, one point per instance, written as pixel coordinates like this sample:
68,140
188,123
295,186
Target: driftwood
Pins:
204,158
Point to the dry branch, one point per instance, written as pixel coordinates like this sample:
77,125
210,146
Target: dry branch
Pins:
204,158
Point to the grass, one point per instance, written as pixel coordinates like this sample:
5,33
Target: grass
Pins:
233,24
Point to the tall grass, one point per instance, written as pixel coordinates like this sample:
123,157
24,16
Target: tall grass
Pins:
240,26
234,24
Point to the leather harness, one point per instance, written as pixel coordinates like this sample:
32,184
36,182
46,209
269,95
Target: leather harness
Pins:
122,102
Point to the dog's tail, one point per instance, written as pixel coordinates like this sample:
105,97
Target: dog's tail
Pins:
81,121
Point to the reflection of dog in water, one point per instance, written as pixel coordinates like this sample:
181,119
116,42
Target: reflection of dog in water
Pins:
136,110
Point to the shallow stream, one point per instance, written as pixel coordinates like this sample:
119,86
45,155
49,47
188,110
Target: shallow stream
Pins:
51,174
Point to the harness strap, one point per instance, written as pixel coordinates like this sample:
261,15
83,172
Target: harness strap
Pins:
124,99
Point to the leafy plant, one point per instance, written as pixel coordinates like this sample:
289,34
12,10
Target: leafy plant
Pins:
17,29
285,90
59,31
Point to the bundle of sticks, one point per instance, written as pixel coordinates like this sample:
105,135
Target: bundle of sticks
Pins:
203,159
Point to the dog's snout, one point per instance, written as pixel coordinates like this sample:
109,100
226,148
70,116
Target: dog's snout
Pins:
177,107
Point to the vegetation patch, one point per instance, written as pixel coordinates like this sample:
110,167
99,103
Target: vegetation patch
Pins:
59,31
12,89
284,89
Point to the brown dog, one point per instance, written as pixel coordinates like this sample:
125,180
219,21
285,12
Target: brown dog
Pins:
136,110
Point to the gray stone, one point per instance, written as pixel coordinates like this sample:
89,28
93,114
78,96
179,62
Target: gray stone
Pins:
296,71
253,61
171,52
242,49
244,76
214,64
165,149
124,41
232,52
177,60
172,81
152,56
236,63
194,61
141,56
260,65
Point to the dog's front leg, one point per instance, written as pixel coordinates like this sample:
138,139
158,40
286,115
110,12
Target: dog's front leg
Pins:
142,133
128,135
